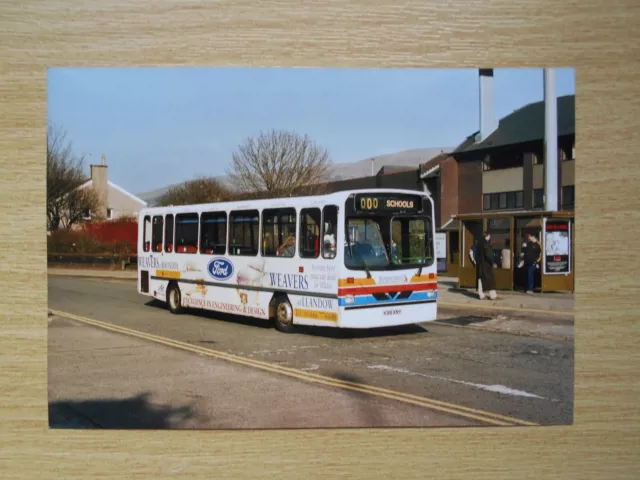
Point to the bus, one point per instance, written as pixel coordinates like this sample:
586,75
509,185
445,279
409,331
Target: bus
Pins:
353,259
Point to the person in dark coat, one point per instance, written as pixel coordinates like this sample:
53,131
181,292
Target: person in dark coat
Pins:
486,264
532,258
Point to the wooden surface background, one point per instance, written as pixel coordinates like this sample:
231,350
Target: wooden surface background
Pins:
599,39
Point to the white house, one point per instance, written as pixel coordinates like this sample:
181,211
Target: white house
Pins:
116,201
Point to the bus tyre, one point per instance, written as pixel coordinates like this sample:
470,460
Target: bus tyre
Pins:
284,315
174,298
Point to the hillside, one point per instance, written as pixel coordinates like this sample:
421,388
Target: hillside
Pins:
347,170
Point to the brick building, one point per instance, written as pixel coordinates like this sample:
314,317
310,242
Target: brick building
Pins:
494,180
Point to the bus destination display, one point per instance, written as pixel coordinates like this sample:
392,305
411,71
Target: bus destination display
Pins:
388,203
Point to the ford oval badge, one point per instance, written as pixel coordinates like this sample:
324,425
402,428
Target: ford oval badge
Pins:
220,268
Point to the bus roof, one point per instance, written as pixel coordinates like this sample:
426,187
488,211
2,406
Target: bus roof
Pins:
280,202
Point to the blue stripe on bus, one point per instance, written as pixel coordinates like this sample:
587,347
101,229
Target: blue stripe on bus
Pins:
371,300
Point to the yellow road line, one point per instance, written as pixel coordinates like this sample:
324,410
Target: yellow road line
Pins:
458,410
501,307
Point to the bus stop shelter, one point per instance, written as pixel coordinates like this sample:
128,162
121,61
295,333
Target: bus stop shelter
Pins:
509,230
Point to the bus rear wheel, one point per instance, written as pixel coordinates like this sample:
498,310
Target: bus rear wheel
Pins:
284,315
174,299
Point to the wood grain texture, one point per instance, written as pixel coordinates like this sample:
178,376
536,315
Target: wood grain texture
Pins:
601,40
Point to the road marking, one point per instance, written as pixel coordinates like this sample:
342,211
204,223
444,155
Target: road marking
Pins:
453,409
506,308
489,388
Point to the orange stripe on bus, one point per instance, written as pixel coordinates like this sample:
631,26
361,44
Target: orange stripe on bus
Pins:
357,282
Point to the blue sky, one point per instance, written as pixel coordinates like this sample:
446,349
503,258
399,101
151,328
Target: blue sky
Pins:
159,126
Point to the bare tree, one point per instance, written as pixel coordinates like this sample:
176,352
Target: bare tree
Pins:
201,190
279,164
66,203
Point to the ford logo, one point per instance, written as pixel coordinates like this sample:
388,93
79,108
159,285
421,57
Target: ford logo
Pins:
220,269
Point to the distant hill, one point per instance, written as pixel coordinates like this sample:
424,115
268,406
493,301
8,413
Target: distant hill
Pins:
347,170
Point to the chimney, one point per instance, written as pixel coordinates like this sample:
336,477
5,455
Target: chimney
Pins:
99,178
373,161
550,141
488,122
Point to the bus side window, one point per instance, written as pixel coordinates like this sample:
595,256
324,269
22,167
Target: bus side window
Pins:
187,233
279,232
329,231
244,232
156,234
213,233
168,234
310,232
146,234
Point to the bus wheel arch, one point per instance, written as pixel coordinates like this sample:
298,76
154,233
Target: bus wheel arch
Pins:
174,298
282,313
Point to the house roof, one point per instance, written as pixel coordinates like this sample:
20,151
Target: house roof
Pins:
120,189
432,167
524,125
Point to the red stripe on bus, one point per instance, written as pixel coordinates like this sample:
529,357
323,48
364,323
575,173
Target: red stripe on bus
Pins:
366,290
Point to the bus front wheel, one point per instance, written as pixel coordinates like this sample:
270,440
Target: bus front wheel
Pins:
173,299
284,315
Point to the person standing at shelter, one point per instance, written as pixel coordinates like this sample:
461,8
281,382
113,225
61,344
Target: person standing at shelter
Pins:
475,255
506,255
532,257
486,264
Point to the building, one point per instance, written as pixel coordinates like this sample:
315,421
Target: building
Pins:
114,200
494,180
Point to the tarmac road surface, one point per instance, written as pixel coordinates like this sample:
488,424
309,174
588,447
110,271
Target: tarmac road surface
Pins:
311,379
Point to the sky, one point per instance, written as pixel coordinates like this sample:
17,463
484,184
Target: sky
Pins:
160,126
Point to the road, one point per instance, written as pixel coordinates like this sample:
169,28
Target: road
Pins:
516,376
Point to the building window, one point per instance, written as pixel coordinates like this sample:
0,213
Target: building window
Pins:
568,197
502,160
495,201
502,200
519,199
486,163
109,213
538,198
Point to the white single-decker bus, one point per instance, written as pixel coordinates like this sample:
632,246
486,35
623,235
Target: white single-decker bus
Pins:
352,259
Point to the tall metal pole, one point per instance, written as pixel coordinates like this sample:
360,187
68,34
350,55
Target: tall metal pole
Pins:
550,141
